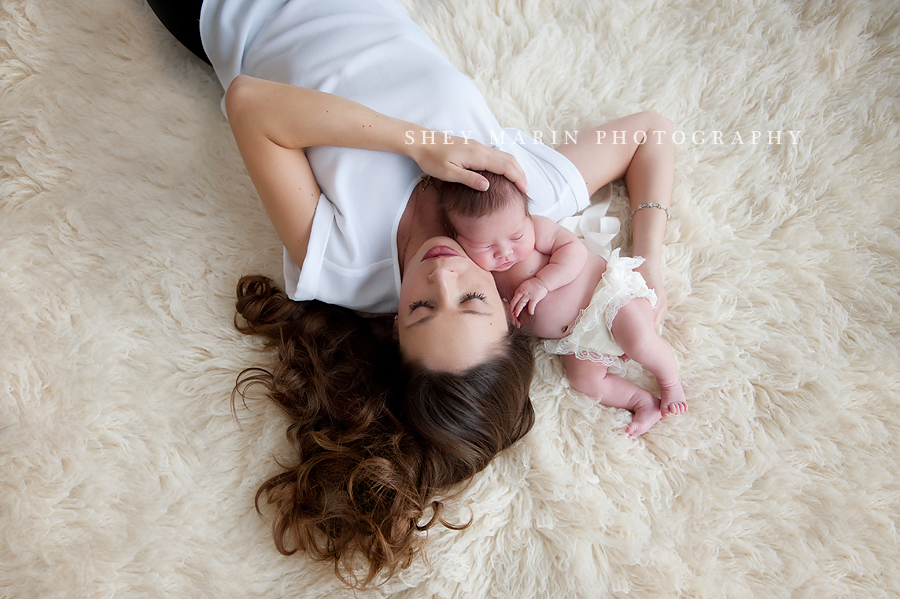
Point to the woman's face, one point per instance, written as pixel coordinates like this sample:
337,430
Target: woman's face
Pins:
451,316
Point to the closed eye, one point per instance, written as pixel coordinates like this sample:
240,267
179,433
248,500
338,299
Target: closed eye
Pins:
418,304
475,295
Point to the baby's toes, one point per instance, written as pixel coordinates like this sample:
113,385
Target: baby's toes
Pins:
678,407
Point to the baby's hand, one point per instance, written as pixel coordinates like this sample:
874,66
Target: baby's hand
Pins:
529,293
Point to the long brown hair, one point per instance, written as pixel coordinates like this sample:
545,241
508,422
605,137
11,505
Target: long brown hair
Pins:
378,441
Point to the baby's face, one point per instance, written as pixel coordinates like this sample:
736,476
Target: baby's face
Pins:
499,240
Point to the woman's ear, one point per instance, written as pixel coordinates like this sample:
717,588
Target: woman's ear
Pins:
396,329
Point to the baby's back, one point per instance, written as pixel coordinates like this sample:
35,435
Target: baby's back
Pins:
556,313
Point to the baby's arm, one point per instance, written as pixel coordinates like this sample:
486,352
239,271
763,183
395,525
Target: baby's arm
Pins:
567,258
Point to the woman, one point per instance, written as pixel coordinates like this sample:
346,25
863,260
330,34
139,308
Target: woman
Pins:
338,108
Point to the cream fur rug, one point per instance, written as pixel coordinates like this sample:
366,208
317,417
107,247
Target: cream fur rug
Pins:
126,218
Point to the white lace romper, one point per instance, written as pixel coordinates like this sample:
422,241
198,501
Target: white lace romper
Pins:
591,336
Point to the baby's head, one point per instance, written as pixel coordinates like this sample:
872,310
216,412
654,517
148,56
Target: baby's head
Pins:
494,227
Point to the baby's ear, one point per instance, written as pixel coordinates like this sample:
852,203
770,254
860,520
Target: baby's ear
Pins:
448,224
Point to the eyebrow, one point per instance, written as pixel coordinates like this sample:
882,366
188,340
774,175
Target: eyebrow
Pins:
427,318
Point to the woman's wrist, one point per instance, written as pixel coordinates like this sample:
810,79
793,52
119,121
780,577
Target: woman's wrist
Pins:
648,230
651,263
411,141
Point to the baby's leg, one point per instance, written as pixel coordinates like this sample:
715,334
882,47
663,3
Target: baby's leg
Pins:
633,331
593,379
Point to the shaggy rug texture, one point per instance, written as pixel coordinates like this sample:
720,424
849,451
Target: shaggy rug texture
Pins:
126,218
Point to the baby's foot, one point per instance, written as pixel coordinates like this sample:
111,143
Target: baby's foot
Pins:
672,400
646,414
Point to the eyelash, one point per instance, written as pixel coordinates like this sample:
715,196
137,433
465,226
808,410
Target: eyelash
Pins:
417,304
519,238
466,297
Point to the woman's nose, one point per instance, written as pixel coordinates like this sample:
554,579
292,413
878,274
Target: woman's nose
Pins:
445,280
443,276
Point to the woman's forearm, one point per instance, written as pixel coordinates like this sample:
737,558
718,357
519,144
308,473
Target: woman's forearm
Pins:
648,229
295,118
645,158
649,179
638,148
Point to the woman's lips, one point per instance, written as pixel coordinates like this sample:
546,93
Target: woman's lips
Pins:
439,251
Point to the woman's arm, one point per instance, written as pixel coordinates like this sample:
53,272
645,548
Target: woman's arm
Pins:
294,117
273,122
280,173
638,148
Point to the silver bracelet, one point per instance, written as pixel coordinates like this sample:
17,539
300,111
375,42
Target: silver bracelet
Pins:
651,205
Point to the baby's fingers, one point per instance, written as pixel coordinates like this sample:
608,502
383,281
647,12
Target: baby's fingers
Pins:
519,304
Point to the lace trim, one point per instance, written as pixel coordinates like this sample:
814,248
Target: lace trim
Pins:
565,346
619,285
612,310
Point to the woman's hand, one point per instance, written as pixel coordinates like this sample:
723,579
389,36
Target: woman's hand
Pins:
453,159
653,277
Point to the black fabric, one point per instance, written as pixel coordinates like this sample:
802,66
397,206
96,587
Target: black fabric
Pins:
182,19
